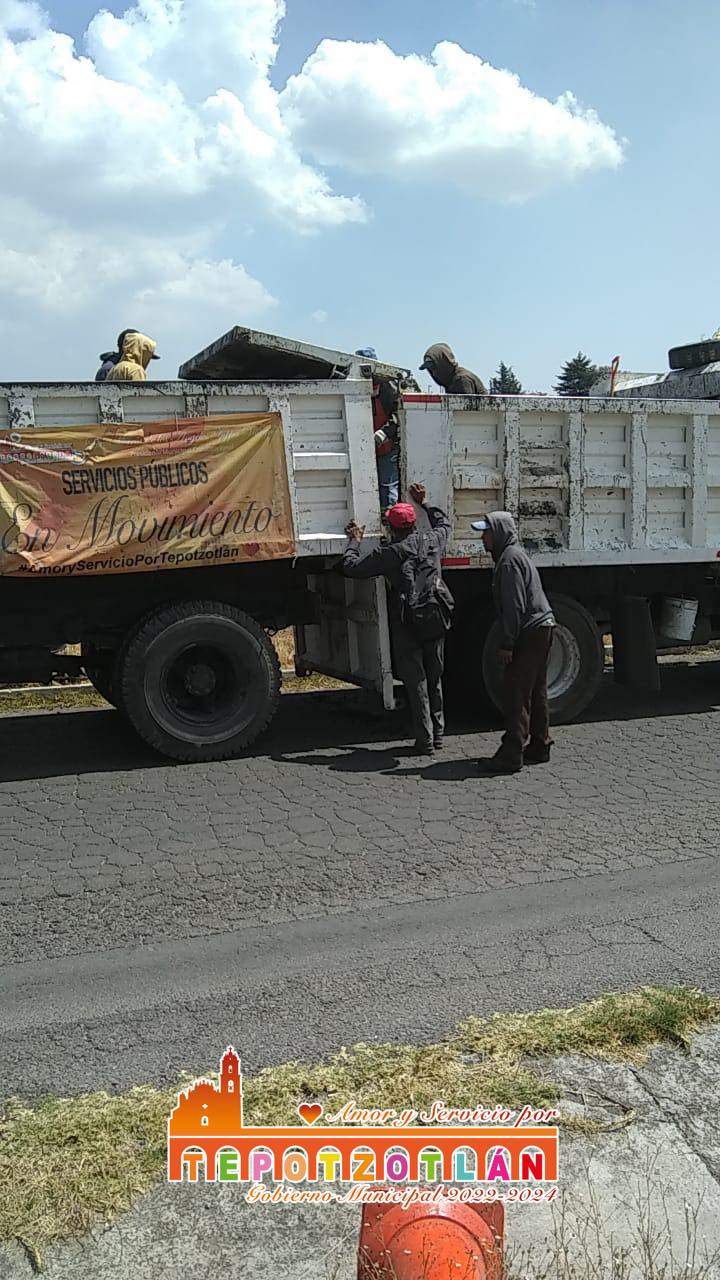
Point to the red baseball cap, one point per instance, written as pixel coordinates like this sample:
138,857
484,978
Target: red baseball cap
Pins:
401,516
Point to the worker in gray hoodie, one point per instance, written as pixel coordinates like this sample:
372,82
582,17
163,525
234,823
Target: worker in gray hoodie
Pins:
527,630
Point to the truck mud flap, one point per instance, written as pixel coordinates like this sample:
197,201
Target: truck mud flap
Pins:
634,645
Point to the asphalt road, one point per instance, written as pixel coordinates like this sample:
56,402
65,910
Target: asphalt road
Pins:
330,889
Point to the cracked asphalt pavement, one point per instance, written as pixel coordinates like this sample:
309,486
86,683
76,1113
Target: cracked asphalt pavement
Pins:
330,888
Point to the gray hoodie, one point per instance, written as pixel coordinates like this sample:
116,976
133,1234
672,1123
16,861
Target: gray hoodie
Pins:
520,601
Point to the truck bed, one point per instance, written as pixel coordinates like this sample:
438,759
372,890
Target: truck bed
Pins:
592,481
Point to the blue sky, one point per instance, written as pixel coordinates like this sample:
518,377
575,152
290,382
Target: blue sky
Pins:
617,260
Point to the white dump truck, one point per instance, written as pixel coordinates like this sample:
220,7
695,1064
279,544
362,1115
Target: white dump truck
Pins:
168,527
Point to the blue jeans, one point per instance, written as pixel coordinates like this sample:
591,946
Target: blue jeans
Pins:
388,469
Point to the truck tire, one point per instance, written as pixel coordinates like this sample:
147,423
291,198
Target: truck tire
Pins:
199,680
100,668
576,661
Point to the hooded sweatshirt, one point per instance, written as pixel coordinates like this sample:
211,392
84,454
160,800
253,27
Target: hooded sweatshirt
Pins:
395,562
107,360
137,352
446,371
520,601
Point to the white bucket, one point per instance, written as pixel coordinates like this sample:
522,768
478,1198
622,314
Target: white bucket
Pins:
678,618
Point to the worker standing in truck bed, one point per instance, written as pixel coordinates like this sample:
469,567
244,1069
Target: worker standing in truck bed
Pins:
440,362
386,431
137,352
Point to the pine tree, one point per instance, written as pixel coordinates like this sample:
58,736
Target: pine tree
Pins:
505,383
577,376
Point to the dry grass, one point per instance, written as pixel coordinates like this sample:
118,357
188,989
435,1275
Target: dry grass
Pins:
67,1164
616,1027
313,684
583,1242
66,698
284,643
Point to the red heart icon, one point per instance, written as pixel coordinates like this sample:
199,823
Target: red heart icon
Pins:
310,1111
252,548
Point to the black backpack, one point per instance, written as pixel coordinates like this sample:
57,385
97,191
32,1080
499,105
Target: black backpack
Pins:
426,603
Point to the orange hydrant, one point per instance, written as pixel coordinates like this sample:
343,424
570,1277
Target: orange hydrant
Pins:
435,1241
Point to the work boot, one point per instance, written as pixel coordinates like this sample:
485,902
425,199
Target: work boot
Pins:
423,749
537,752
438,743
501,762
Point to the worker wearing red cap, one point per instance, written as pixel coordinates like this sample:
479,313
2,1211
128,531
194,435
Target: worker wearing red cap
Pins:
418,663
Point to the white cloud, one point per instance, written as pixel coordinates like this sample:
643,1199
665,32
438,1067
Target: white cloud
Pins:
320,317
193,300
132,162
174,101
226,283
61,269
129,164
451,118
22,17
67,293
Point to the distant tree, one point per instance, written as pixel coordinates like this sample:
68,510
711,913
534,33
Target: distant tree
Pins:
505,383
577,376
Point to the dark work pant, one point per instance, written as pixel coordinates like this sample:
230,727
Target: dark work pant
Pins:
525,692
420,670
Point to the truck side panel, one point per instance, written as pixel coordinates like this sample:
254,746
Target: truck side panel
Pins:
328,431
591,481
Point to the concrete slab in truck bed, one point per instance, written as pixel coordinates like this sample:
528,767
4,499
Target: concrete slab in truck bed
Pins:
246,355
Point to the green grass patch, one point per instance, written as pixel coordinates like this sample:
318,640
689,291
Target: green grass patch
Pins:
69,1164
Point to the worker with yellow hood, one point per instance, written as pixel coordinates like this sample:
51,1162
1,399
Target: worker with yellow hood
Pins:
137,352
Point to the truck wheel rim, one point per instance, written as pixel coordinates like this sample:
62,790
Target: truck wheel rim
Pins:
205,690
565,663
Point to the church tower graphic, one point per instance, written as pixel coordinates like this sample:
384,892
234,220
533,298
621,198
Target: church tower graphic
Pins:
212,1110
207,1124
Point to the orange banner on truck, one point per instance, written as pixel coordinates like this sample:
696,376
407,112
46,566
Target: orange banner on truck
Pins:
135,496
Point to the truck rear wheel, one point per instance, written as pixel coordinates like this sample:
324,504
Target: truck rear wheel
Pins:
576,661
199,680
